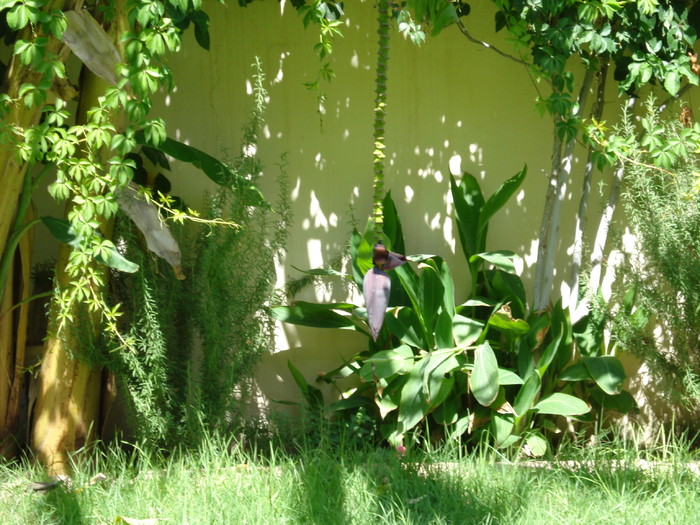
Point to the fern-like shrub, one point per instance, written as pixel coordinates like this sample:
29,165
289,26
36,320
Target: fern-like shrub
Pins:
192,345
660,316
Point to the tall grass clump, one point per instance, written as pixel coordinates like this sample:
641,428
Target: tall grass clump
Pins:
661,319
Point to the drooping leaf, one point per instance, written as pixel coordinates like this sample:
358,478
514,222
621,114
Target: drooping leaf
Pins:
484,378
213,168
561,404
315,315
90,43
465,330
147,219
376,288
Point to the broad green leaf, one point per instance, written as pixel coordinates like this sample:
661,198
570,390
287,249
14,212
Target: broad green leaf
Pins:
527,394
386,363
502,259
537,444
443,330
465,330
509,288
434,369
431,293
575,372
502,320
588,335
314,314
392,224
62,230
501,428
412,407
672,82
406,326
109,256
560,404
448,411
607,371
506,377
484,378
549,353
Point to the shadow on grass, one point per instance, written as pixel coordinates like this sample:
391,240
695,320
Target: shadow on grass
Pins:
380,487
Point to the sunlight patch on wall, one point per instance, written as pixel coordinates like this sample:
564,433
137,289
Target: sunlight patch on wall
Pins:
408,194
476,154
320,161
448,234
314,250
280,71
294,194
531,256
315,211
455,165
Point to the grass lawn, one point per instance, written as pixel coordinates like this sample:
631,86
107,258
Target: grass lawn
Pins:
613,484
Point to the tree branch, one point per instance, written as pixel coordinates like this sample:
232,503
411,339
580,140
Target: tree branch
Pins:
469,36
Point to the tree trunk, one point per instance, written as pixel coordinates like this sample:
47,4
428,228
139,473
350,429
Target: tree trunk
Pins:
582,215
556,193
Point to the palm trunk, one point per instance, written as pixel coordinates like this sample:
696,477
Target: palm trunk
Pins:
14,286
69,400
13,342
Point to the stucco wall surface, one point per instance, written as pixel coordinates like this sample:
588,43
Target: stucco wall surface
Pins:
450,103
